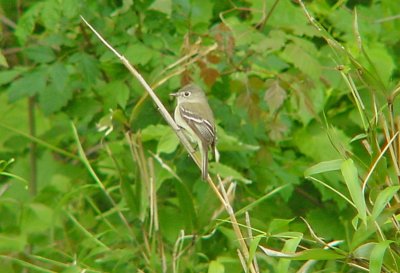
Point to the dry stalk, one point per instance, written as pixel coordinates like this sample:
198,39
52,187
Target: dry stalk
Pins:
235,225
177,250
251,237
153,199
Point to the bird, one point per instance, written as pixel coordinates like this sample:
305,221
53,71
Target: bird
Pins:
194,115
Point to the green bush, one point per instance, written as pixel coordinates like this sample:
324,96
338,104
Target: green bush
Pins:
92,178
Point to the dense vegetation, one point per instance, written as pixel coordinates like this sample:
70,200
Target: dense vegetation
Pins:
92,178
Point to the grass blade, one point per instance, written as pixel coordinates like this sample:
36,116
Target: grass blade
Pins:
377,254
350,175
383,199
325,166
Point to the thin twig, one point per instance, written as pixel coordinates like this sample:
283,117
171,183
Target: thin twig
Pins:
8,22
266,16
386,19
376,161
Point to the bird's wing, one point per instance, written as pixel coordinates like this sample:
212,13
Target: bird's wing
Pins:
200,126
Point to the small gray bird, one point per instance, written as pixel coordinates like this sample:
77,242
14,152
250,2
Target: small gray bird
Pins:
193,114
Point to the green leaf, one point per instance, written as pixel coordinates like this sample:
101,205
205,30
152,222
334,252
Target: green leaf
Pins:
275,40
315,143
72,268
244,33
201,11
59,76
164,6
383,199
227,142
126,5
303,60
51,15
377,255
186,202
26,24
11,242
381,60
362,235
122,96
84,108
138,54
132,200
29,84
40,54
3,60
364,251
216,267
350,175
253,248
114,93
70,8
325,166
169,221
310,254
168,142
154,132
279,225
289,18
227,171
87,66
289,235
325,224
9,75
37,218
289,247
52,100
319,254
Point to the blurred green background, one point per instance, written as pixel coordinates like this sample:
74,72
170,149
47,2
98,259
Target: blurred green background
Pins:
92,179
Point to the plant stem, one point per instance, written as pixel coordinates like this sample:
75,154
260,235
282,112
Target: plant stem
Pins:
32,147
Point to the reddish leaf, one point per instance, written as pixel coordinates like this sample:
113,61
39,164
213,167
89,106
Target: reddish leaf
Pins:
223,36
275,96
213,58
209,75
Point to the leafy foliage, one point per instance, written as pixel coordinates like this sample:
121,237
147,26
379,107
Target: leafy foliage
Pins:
305,97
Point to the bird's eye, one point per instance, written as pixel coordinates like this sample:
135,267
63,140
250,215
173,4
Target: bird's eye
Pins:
186,94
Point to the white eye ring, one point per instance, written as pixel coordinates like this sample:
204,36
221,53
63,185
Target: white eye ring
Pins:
186,93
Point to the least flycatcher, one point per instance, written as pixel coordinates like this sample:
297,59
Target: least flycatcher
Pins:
194,115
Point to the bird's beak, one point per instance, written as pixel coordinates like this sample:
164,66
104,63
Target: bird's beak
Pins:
174,94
